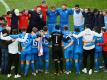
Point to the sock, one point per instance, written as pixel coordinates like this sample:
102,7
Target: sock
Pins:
70,65
80,60
46,65
61,65
22,68
33,67
37,65
67,66
40,63
77,67
56,66
26,69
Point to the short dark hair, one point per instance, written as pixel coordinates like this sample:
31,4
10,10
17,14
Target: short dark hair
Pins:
8,12
23,29
77,5
57,27
45,28
77,29
87,26
64,4
34,29
14,31
65,27
103,29
53,7
4,31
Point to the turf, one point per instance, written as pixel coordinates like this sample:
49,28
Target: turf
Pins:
29,4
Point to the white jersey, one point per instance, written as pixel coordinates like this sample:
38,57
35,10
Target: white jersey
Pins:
88,37
13,47
78,18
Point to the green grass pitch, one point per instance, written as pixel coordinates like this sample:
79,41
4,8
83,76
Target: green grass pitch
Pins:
29,4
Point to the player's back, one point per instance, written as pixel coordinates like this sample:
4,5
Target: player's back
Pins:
57,37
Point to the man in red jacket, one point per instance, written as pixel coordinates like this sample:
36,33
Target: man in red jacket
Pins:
44,9
8,18
23,20
104,45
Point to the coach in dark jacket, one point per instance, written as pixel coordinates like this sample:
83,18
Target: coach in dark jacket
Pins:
89,17
4,49
35,20
15,19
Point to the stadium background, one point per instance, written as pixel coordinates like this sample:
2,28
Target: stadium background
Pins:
29,4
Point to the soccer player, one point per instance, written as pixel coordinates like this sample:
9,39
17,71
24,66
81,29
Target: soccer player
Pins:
23,20
44,8
78,18
98,52
68,49
64,13
35,49
78,51
57,53
13,56
105,19
51,19
15,19
8,18
46,45
104,47
88,46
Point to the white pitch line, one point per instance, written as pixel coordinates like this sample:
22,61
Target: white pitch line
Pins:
5,5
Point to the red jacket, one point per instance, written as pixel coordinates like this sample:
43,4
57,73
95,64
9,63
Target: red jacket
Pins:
44,10
8,19
104,44
23,21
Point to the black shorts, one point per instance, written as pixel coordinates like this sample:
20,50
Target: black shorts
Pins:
57,52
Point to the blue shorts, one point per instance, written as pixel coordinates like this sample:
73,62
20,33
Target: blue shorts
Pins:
26,54
51,28
26,57
34,50
68,53
76,56
46,53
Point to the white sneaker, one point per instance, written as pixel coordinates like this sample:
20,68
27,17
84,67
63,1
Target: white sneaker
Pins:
84,70
66,72
105,70
46,72
101,67
9,75
12,67
90,72
34,74
70,72
96,71
17,76
36,71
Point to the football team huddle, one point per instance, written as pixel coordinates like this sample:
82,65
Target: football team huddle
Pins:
33,37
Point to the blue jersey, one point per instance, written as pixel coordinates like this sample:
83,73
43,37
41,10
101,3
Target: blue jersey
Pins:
51,17
67,40
64,15
78,44
34,42
98,40
27,43
45,40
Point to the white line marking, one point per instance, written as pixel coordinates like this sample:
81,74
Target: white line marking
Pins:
5,5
